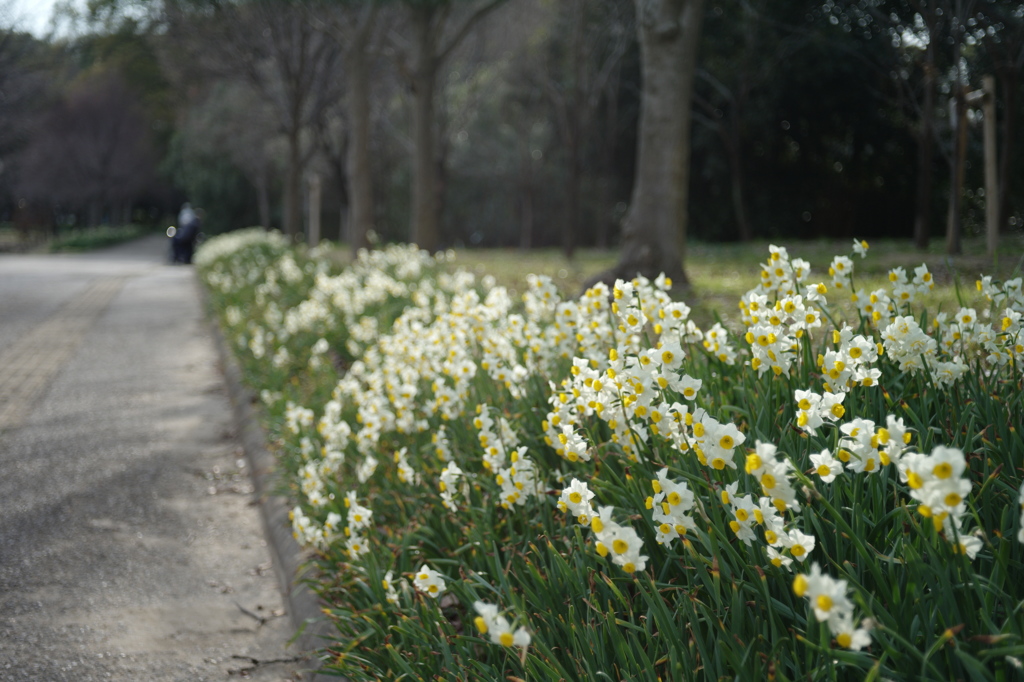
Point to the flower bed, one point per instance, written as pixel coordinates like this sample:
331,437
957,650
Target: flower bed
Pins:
595,488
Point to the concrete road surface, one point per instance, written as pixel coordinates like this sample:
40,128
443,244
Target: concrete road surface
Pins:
130,547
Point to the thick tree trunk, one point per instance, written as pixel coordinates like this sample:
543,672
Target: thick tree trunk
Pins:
654,233
360,177
424,226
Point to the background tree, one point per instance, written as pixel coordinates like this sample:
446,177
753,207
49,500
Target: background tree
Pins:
357,28
578,68
283,55
435,29
654,233
1000,33
92,151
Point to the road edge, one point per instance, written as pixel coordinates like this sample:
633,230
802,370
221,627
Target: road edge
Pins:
289,559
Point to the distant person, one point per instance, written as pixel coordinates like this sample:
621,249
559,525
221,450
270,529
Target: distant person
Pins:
183,243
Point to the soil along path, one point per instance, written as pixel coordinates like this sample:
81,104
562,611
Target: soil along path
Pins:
130,544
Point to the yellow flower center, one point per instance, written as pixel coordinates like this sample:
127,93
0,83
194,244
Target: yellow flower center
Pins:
824,470
620,546
943,470
506,639
824,602
481,624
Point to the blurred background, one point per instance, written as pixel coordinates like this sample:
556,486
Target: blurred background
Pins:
841,117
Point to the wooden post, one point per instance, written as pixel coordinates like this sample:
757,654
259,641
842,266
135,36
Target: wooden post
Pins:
314,209
991,173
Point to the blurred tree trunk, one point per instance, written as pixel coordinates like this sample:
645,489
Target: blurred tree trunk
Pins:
737,194
432,45
1008,81
925,153
360,176
263,197
525,183
606,184
293,186
424,226
959,153
654,233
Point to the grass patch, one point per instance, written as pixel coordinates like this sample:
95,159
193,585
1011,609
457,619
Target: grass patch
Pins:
91,238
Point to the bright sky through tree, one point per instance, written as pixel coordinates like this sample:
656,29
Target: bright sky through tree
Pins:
34,15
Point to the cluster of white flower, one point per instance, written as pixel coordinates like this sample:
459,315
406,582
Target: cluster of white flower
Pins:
495,445
576,499
813,410
297,417
226,245
358,521
908,345
519,481
905,292
627,350
670,504
1020,532
489,622
777,316
406,474
938,484
827,597
449,476
429,582
865,449
388,583
841,272
780,277
767,511
620,541
850,363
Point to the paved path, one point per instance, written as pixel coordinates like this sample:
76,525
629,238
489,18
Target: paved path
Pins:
129,545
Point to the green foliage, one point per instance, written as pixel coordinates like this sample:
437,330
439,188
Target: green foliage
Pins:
212,182
709,605
91,238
